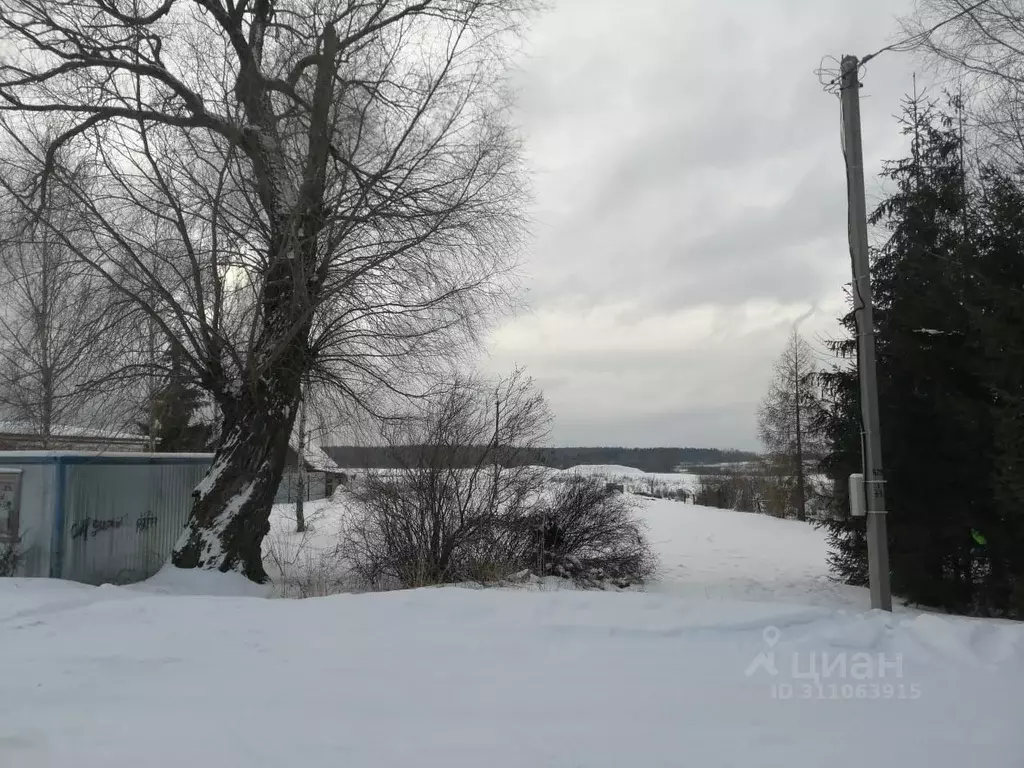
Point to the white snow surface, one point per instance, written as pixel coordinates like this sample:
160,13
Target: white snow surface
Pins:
182,670
605,469
718,554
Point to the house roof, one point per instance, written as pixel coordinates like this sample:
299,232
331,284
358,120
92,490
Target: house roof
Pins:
317,460
29,429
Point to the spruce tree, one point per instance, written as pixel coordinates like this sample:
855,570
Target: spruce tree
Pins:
998,312
839,424
174,411
934,411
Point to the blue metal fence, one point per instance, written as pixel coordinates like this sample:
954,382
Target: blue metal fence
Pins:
102,518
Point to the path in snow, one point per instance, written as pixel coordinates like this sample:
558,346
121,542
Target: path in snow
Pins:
720,554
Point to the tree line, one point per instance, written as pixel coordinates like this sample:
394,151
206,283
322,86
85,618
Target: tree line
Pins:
645,459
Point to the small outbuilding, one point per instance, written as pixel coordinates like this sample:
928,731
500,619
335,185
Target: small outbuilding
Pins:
323,476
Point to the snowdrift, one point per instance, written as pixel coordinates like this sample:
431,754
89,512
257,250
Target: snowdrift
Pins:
101,677
741,653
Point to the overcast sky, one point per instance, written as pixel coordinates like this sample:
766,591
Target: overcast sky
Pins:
689,205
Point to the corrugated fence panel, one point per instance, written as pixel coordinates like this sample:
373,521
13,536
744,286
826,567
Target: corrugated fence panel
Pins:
35,517
121,513
171,506
121,520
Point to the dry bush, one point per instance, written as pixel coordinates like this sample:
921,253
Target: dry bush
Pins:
11,557
769,489
447,513
437,526
465,505
590,535
729,491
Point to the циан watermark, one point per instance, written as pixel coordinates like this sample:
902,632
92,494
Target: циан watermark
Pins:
832,676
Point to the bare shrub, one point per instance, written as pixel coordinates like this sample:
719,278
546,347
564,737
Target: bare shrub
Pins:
466,506
448,512
729,491
11,557
780,493
591,535
767,488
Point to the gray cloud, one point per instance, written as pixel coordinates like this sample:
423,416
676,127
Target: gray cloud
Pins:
690,204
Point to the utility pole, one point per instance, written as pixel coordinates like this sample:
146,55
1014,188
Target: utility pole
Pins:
302,480
878,544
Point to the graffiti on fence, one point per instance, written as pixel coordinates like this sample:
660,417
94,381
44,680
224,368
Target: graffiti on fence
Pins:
82,529
145,523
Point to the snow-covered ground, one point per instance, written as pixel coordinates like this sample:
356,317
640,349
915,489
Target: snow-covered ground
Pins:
717,554
638,481
711,666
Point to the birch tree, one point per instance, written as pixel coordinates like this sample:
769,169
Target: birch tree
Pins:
286,188
63,342
787,417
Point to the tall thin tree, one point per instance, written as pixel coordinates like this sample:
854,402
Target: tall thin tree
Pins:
787,417
63,338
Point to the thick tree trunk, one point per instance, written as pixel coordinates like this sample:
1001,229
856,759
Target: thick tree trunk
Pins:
231,512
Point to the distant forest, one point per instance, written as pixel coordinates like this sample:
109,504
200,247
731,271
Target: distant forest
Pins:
646,459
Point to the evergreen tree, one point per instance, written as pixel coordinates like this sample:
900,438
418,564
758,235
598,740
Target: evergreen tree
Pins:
999,316
936,440
174,412
839,424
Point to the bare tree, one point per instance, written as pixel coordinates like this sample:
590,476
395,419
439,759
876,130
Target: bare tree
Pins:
316,187
64,338
454,509
979,45
787,415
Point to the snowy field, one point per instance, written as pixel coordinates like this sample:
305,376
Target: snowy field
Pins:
638,481
741,653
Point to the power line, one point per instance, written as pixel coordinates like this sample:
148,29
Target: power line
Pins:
912,41
830,77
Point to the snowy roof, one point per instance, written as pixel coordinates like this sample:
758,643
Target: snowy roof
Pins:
317,459
29,429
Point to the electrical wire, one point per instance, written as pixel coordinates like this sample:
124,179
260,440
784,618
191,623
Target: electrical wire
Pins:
831,77
912,41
